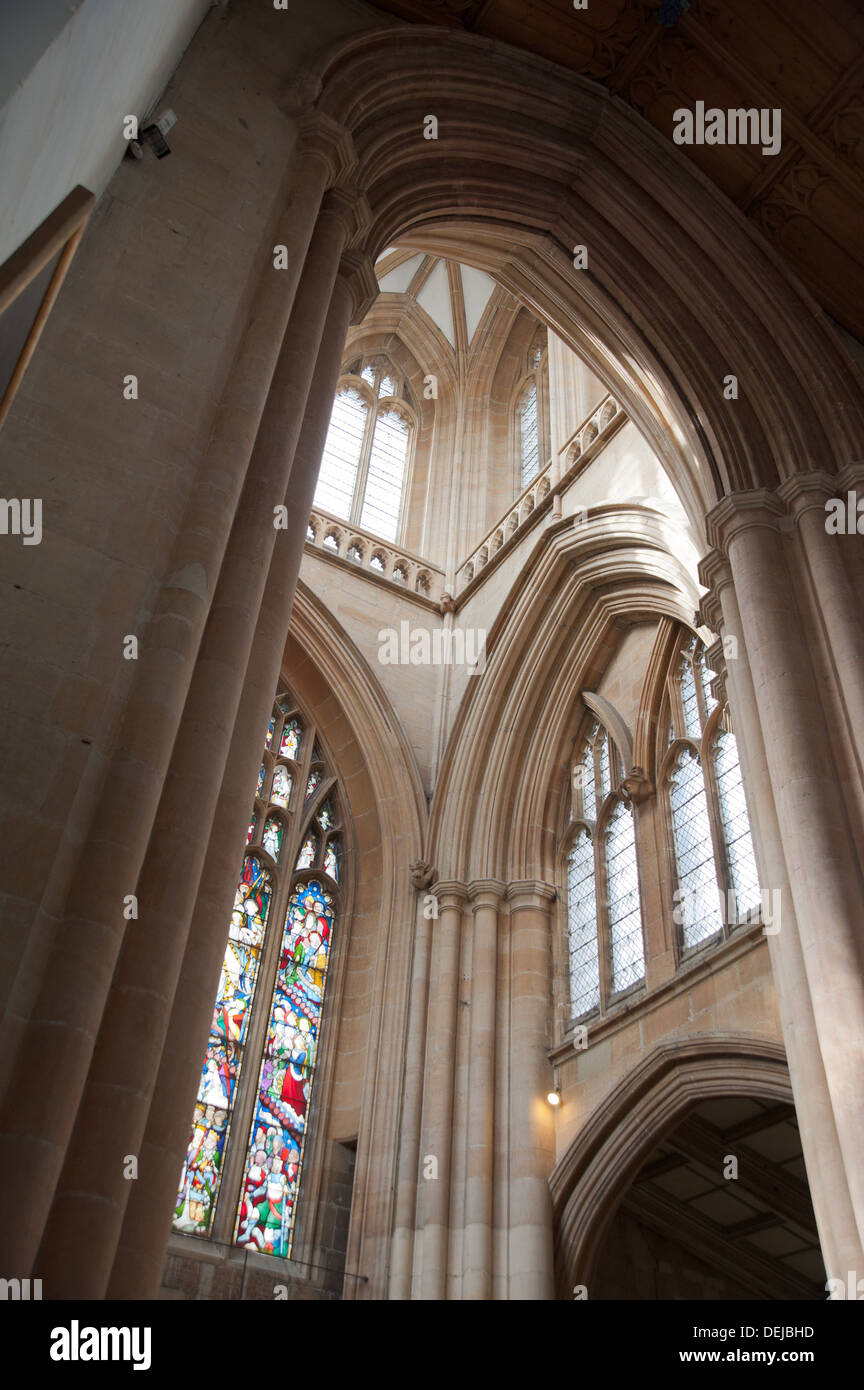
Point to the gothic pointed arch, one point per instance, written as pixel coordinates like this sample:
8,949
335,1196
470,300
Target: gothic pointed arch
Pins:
590,1179
546,645
652,226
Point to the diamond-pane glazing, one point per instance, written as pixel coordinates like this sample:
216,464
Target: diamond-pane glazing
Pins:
698,894
582,927
625,910
736,824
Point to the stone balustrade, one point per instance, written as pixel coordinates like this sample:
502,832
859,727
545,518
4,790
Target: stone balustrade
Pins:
585,443
381,559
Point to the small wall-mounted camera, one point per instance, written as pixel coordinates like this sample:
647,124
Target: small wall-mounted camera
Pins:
154,136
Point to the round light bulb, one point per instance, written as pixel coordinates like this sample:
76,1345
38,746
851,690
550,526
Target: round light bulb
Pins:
554,1098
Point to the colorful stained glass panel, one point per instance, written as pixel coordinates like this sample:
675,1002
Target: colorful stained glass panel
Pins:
267,1209
199,1181
291,734
280,792
308,851
271,840
331,860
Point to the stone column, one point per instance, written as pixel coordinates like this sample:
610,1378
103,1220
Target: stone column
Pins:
841,628
147,1224
72,950
408,1170
92,1192
781,622
433,1202
835,1218
485,895
532,1136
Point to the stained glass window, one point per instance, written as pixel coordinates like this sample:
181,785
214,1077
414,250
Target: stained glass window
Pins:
331,860
290,745
277,1139
280,792
274,1009
271,840
313,782
202,1171
270,728
261,775
308,852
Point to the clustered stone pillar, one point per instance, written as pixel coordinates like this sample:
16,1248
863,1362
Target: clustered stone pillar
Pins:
531,1130
408,1170
439,1079
803,645
68,969
91,1197
486,897
146,1228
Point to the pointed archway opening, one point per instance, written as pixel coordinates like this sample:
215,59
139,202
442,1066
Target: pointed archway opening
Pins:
719,1210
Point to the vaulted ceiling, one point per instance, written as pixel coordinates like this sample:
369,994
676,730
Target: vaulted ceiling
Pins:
662,55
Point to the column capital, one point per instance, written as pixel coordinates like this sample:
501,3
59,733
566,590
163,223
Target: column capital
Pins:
741,511
358,272
530,892
320,135
715,573
805,492
451,893
349,206
486,892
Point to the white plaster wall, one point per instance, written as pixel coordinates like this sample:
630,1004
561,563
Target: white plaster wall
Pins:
62,122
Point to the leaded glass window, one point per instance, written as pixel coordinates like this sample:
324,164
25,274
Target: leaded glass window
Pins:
694,851
529,434
365,461
622,895
582,926
605,936
740,854
717,880
241,1180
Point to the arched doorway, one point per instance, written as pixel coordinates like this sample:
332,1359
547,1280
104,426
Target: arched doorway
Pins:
720,1209
647,1172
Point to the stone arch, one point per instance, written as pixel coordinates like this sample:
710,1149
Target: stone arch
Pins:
589,1181
526,154
491,815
